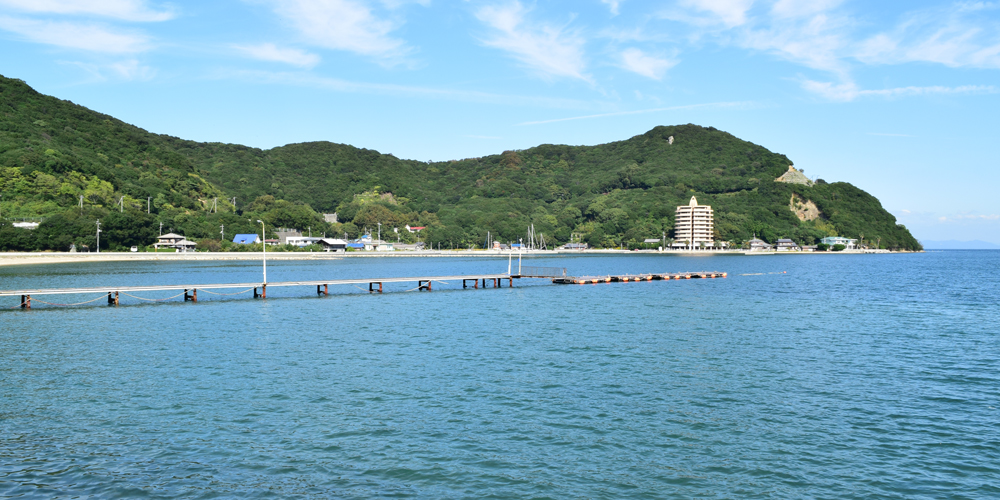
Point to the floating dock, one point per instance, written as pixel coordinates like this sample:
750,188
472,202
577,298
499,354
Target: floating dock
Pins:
624,278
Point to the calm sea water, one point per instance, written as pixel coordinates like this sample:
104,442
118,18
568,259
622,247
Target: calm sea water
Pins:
849,376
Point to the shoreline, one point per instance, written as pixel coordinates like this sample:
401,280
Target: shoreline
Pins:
36,258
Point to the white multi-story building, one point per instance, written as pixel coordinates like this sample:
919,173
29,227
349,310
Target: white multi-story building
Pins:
693,225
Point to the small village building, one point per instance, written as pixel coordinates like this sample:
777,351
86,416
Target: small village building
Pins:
849,243
283,234
333,244
787,245
246,239
378,246
175,241
301,241
574,246
758,245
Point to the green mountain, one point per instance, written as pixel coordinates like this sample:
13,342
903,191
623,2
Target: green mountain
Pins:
56,156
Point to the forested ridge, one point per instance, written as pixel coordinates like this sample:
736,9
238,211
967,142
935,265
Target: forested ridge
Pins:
52,152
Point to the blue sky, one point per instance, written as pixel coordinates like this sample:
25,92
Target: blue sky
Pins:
898,98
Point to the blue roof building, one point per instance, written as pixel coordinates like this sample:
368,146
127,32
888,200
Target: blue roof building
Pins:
246,239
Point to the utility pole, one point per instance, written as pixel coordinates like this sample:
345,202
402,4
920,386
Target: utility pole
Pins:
98,235
380,231
310,231
121,204
81,204
148,198
161,229
222,232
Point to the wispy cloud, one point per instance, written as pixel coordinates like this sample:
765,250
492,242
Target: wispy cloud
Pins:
80,36
347,25
549,50
613,6
880,134
127,70
969,217
728,13
303,79
959,35
125,10
846,92
643,111
646,65
271,52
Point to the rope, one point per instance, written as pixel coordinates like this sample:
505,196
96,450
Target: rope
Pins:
152,300
68,305
217,293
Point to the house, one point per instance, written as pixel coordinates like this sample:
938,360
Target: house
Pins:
378,246
849,244
574,246
333,244
356,245
758,245
175,241
246,239
283,235
787,245
410,247
301,241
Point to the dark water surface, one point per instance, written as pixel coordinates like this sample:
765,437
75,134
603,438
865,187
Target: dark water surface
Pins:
849,376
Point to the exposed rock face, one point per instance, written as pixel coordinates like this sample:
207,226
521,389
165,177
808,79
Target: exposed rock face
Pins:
804,210
794,177
670,140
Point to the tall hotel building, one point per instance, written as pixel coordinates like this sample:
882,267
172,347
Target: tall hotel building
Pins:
693,225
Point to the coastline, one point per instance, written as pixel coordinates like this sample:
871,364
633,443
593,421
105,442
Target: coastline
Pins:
36,258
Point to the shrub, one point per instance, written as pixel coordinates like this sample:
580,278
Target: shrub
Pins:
838,247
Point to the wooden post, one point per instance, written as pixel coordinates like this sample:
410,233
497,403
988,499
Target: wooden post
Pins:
511,282
194,295
263,291
111,301
326,289
26,302
255,292
116,297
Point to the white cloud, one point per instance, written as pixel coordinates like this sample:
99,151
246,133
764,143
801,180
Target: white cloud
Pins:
849,91
612,5
88,37
728,12
271,52
550,50
639,62
126,10
343,25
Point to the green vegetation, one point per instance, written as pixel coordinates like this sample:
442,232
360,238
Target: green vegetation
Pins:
53,152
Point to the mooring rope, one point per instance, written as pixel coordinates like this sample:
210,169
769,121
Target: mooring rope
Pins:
152,300
68,305
217,293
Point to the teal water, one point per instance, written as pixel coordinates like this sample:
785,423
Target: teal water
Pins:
848,376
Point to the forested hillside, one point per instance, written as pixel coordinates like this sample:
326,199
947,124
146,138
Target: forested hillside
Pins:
52,152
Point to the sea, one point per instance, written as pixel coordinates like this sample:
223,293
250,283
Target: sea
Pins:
796,376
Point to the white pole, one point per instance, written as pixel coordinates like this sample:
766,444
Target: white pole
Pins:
263,248
98,235
519,248
510,257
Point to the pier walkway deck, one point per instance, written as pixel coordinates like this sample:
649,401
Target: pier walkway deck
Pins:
190,291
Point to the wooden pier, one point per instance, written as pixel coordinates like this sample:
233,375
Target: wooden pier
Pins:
375,285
